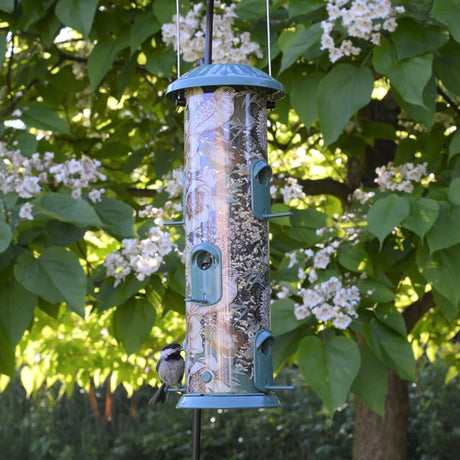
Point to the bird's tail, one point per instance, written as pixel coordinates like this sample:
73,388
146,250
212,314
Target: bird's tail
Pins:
161,395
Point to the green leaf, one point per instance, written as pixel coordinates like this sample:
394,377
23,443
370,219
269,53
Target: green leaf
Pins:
423,113
446,65
6,354
303,98
412,38
448,12
143,27
454,146
310,218
379,292
441,269
2,47
445,232
101,58
294,44
423,215
371,383
43,116
116,216
354,258
132,323
77,14
301,7
341,93
16,309
391,317
112,296
454,192
7,6
283,318
329,366
63,207
6,236
391,348
56,275
409,76
250,9
386,214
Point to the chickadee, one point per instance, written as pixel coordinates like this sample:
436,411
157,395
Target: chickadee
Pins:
170,369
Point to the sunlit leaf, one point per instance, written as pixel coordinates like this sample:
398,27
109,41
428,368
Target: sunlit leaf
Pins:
63,207
391,348
56,275
77,14
423,214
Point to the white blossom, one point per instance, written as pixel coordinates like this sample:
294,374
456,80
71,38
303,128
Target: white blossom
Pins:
142,257
226,47
362,19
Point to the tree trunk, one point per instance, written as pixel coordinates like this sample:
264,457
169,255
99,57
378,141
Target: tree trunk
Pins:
377,438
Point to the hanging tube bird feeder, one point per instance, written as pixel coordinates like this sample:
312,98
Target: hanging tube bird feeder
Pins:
228,343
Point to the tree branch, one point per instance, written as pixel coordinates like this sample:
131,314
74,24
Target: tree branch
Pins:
415,311
327,186
448,99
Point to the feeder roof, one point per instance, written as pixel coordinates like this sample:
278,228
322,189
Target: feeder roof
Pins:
225,75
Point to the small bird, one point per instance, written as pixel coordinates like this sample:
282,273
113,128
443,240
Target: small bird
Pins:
170,369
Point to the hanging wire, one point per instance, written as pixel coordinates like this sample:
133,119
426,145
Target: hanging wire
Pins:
269,40
178,37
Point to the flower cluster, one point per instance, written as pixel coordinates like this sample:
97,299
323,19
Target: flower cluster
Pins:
362,19
329,301
142,257
226,47
403,177
327,294
173,183
26,176
291,190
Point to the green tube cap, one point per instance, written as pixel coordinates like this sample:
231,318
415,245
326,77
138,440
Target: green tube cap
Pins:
225,75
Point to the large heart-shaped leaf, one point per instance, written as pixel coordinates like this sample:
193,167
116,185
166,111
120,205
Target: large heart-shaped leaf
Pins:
341,93
385,214
77,14
401,73
132,323
56,275
329,365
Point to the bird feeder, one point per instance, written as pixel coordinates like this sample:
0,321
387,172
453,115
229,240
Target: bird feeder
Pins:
228,344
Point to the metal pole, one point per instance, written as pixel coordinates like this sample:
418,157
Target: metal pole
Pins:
178,37
196,431
269,57
208,32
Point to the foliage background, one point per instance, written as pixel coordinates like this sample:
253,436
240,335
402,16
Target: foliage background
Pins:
100,93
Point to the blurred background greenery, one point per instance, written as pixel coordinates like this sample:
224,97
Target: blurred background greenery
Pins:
55,425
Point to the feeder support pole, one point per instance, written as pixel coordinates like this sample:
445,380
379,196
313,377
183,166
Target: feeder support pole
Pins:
208,32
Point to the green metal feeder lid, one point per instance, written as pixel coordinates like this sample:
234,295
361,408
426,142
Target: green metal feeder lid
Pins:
225,75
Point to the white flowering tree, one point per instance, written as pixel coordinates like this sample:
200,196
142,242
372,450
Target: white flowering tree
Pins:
364,149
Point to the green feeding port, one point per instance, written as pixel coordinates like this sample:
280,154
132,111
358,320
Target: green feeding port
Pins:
261,174
206,274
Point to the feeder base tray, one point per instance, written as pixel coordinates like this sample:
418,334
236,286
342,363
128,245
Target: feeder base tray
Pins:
228,401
